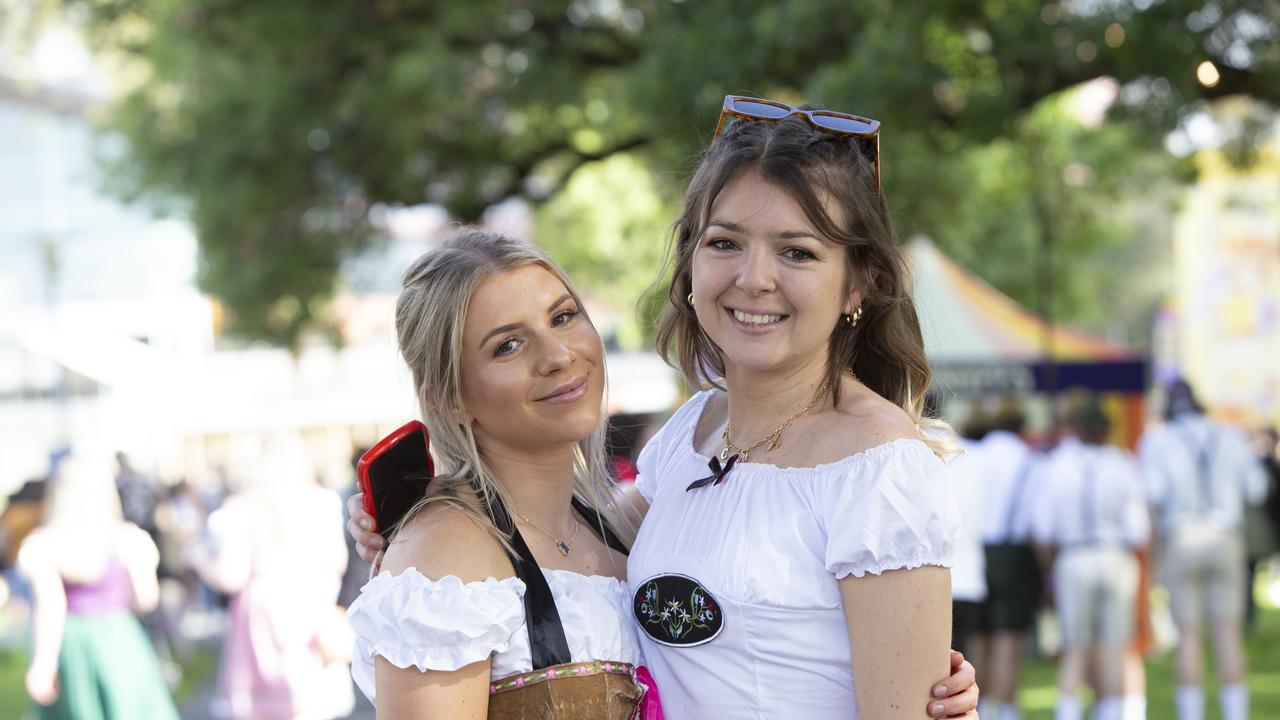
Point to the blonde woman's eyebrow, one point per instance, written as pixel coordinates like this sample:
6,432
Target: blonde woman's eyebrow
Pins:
516,326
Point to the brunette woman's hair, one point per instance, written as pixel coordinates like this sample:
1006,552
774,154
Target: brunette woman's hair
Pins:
832,181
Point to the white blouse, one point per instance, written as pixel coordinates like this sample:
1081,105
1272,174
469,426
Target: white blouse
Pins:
1171,455
446,624
1090,495
735,585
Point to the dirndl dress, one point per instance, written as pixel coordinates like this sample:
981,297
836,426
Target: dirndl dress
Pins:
562,644
107,669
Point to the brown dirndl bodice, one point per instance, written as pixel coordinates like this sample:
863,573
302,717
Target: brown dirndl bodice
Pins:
557,688
593,689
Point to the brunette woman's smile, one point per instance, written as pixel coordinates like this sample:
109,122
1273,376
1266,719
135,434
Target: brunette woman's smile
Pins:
755,322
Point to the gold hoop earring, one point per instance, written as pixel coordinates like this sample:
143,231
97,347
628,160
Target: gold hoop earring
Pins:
690,299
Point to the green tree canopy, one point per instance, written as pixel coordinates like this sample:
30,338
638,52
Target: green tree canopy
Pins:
280,124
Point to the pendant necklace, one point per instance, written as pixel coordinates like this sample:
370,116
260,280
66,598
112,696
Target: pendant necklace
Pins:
564,546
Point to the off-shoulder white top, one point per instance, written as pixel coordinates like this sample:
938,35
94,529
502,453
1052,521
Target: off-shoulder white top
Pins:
446,624
755,563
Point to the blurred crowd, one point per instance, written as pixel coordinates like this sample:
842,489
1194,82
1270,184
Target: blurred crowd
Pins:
122,577
1066,533
127,576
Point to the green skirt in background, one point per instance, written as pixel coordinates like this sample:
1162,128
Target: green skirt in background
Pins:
107,670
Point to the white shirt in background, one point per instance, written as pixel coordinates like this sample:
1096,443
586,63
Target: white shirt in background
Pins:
1090,495
1200,470
1006,467
969,565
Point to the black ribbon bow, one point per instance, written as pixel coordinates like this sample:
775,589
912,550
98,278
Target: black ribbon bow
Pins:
717,473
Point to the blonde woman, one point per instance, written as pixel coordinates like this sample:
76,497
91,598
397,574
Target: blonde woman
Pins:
89,571
501,594
510,376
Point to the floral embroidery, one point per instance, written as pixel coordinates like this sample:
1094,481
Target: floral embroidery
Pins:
593,667
677,610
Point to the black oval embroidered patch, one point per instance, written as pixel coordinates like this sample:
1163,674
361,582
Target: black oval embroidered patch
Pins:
676,610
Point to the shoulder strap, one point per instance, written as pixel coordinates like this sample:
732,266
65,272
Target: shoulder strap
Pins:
547,643
1088,501
1019,488
598,523
1204,461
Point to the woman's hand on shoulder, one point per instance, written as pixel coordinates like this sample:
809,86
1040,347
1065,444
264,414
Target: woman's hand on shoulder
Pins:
446,540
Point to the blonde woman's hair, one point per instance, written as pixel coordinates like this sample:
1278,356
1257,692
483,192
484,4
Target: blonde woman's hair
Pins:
82,496
82,517
430,312
885,350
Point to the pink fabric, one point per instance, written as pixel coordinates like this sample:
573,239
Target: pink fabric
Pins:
110,593
272,667
624,471
651,705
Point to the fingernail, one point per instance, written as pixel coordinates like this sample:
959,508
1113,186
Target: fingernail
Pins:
936,709
364,524
940,691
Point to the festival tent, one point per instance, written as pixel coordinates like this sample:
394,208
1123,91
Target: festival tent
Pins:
980,342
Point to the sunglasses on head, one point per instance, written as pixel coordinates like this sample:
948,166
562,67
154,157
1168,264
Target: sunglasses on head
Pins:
864,131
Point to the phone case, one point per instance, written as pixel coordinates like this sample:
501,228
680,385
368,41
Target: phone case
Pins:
393,474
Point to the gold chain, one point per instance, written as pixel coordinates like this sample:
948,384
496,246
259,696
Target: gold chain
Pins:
564,546
774,438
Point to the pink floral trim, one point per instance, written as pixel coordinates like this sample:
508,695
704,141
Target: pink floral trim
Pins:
582,669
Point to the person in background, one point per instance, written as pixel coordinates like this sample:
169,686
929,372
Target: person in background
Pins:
1262,521
22,514
139,494
1200,474
1007,469
968,567
180,520
357,572
625,437
276,547
1090,518
89,570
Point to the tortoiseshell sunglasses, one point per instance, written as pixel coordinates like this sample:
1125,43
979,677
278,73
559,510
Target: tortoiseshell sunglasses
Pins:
865,131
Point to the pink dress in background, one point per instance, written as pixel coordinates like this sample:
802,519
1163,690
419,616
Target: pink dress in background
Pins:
272,667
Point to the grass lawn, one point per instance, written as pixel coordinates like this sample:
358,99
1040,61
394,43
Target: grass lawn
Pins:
1039,689
1037,695
15,704
13,690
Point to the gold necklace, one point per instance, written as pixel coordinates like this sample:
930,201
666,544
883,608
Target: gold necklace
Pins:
774,438
564,546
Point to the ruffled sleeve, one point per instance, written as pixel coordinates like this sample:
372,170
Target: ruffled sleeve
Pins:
890,508
444,624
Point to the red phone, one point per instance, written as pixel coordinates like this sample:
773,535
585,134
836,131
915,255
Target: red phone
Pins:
393,474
